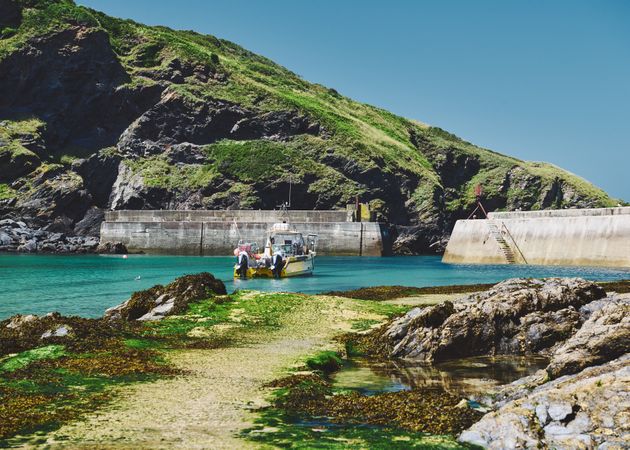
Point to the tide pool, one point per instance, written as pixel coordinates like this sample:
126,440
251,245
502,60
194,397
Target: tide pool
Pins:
86,285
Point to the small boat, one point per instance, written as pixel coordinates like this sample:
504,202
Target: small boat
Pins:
286,254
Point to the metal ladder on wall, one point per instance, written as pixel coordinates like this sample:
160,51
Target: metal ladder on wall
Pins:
505,247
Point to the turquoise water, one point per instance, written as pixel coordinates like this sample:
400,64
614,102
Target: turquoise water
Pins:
86,285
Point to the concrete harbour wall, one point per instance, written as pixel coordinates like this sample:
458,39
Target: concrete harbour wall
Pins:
588,237
218,232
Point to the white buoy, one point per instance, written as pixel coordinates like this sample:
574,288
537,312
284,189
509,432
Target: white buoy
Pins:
124,256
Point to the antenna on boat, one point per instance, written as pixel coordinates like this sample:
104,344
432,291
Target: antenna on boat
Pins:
286,205
478,195
290,186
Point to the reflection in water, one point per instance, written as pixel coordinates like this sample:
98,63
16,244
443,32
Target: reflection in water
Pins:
461,376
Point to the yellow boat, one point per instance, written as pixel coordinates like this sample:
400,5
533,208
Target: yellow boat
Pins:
286,254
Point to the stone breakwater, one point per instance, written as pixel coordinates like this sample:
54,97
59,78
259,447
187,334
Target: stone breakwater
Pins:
216,232
569,237
581,399
16,236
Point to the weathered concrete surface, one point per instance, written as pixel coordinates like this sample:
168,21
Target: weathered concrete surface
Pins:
228,215
218,232
590,237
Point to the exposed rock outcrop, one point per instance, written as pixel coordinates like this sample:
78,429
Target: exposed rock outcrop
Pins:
13,165
580,400
74,79
99,172
605,335
582,411
176,119
161,301
515,316
54,197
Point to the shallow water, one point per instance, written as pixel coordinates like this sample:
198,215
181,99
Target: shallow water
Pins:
88,284
462,377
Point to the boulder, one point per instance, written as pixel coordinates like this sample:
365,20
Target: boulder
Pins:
19,321
130,192
174,298
605,335
14,164
5,239
29,246
585,410
18,237
111,248
515,316
58,331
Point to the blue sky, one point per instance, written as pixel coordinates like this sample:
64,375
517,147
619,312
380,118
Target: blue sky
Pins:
539,80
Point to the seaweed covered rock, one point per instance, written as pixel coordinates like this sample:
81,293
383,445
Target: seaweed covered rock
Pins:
25,332
585,410
428,411
161,301
515,316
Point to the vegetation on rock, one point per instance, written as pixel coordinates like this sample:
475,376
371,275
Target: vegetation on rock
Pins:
380,293
307,408
204,123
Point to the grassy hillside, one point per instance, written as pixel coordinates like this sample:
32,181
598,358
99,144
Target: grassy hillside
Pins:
409,172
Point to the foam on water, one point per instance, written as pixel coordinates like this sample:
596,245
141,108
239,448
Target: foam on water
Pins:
86,285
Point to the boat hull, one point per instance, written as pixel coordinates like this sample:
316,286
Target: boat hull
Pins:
294,266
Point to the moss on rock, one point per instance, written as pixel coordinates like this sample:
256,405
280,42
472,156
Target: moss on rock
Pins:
179,294
380,293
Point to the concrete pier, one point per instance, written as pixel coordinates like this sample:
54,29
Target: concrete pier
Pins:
576,237
218,232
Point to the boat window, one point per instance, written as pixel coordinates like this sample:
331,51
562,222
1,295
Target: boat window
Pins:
286,249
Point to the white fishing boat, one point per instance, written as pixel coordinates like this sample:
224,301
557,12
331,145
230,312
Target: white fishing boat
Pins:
286,254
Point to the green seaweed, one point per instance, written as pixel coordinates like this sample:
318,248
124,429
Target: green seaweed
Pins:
381,293
324,361
23,359
277,429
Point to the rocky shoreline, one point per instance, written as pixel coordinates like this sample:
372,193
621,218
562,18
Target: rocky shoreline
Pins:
17,237
580,400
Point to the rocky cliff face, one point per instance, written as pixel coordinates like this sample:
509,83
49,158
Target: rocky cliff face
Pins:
97,112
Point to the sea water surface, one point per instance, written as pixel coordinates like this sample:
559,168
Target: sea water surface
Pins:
86,285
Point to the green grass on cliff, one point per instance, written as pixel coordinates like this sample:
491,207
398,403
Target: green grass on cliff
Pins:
12,131
6,192
260,162
369,137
